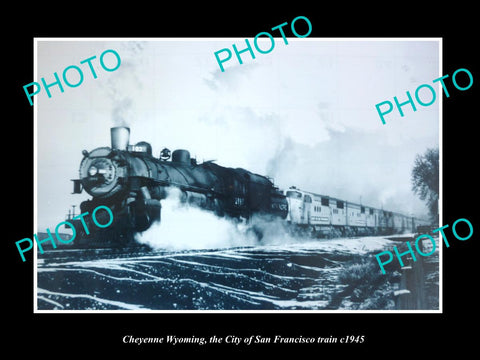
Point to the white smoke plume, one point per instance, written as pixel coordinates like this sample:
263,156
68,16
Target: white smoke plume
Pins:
124,87
185,227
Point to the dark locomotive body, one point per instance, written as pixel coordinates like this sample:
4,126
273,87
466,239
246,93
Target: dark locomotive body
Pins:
132,182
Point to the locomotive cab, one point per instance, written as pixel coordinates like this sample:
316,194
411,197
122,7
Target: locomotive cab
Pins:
295,200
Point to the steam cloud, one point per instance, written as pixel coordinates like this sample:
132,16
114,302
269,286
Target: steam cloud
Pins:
185,227
188,227
122,87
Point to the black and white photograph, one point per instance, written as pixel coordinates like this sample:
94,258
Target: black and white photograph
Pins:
219,179
269,184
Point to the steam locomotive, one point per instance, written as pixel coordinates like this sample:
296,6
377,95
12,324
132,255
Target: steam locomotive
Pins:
132,183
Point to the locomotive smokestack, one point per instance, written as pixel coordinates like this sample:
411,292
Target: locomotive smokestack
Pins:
120,136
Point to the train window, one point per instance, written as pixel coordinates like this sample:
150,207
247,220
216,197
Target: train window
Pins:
340,204
325,201
294,194
371,211
362,209
308,199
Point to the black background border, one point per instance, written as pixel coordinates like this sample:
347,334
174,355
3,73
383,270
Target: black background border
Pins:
386,334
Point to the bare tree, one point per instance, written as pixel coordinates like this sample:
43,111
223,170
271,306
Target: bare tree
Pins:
425,179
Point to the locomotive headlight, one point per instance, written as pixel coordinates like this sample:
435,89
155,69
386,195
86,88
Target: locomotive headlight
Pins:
92,170
104,169
100,174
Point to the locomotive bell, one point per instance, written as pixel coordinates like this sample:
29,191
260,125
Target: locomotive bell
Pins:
120,137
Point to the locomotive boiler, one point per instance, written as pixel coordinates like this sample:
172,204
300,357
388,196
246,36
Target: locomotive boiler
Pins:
132,183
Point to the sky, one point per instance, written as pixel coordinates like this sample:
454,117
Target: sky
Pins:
303,114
